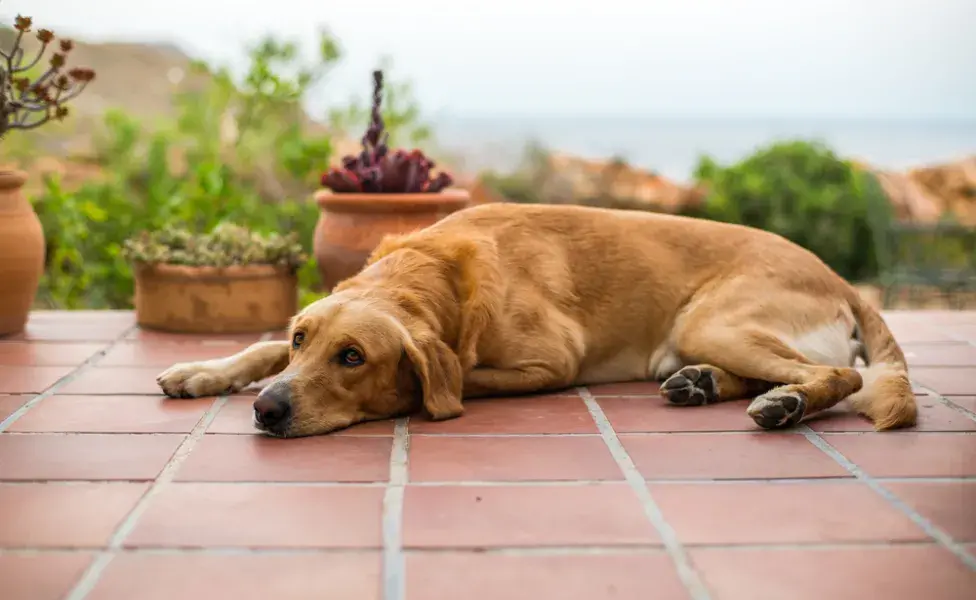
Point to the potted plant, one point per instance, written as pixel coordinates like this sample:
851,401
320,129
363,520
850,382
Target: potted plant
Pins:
26,104
376,193
227,281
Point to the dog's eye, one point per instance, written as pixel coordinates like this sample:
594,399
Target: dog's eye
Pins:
297,339
350,357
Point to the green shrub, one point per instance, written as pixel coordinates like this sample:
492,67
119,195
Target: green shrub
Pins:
190,174
804,192
225,246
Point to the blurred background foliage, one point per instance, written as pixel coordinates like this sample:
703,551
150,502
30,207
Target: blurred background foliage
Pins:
244,150
238,150
798,189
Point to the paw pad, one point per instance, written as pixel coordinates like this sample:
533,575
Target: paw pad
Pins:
776,410
691,386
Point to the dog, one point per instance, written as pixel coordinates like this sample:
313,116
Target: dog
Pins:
510,299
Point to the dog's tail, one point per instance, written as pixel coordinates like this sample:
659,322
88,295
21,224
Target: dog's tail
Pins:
886,397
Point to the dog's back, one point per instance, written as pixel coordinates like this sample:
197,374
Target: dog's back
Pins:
677,256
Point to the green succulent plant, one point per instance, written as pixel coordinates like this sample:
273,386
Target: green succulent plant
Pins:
227,245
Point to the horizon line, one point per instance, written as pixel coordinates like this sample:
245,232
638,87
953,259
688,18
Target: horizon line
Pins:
659,116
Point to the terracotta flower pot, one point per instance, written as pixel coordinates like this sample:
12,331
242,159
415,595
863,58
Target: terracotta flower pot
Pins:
238,299
21,253
351,225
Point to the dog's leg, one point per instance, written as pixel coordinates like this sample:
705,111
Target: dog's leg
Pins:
707,384
224,375
757,354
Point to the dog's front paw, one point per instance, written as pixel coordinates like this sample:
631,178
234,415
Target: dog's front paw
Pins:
778,408
193,380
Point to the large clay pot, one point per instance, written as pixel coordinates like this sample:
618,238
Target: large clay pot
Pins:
351,225
238,299
21,253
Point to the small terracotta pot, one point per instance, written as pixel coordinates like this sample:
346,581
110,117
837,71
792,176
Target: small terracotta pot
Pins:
351,225
238,299
21,253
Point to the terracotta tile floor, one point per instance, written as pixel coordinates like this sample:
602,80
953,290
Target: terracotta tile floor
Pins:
110,491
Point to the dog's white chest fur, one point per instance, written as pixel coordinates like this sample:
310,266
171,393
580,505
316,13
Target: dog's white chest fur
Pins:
829,345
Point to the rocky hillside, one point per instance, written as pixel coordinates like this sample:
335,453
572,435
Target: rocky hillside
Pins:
141,78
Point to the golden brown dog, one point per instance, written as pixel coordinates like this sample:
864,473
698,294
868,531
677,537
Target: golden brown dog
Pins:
507,299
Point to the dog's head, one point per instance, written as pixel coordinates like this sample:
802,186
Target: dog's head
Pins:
357,359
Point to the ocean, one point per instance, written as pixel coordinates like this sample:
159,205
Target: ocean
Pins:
672,147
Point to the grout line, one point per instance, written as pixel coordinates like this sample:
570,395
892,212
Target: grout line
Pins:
949,403
830,480
506,550
943,538
81,369
958,408
686,572
626,434
94,571
394,564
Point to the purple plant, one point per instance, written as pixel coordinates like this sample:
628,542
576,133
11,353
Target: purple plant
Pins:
26,104
378,171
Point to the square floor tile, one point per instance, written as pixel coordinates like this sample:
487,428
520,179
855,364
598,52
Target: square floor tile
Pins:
909,454
255,515
920,334
113,414
940,355
38,456
237,417
23,354
11,404
116,380
523,415
899,573
627,388
964,331
149,336
81,325
933,415
729,456
435,458
560,515
493,576
949,506
654,414
30,380
165,354
41,577
274,576
40,515
781,513
259,458
956,381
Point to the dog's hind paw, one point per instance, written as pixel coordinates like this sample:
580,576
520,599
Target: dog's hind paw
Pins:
691,386
778,408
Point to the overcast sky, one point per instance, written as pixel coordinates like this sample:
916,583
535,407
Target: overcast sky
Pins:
883,58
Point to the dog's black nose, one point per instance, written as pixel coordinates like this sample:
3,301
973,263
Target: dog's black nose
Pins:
273,405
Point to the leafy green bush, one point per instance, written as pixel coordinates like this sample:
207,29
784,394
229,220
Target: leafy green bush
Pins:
257,177
195,173
804,192
225,246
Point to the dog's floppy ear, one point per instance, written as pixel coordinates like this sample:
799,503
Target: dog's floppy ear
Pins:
438,371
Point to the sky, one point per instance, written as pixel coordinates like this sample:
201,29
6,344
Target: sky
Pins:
788,58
